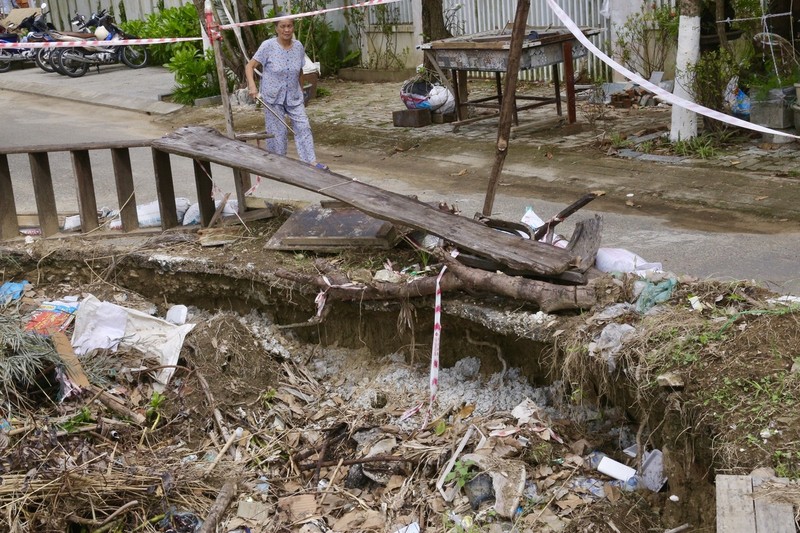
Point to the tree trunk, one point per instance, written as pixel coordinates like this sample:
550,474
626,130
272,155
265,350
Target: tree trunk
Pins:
684,122
722,26
433,27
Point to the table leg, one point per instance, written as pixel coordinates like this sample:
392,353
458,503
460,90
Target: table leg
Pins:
462,94
569,79
557,86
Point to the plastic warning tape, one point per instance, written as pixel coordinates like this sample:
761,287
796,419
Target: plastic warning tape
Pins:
437,335
367,3
97,44
661,93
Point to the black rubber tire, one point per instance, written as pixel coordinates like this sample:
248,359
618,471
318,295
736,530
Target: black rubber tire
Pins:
134,56
5,61
53,60
70,62
42,59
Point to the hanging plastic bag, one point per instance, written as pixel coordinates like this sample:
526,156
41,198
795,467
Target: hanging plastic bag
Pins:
418,93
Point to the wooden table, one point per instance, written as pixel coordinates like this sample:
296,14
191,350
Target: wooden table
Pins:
488,52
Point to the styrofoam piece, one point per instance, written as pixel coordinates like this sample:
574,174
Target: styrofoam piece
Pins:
615,469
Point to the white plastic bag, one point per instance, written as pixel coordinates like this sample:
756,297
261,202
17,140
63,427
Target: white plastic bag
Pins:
149,215
621,260
192,215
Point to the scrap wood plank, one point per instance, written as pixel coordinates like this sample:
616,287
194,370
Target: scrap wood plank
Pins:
771,516
735,510
744,506
209,145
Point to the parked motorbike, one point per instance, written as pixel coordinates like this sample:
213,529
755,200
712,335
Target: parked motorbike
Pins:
75,62
37,31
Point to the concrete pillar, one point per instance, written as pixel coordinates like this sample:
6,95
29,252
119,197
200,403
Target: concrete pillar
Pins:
416,56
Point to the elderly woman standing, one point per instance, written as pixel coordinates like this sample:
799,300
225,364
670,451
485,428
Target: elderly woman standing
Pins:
281,59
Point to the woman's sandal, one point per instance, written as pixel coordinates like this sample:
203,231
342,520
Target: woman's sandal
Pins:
322,166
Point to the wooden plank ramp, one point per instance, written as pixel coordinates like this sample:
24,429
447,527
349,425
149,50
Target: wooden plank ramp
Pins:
746,504
206,144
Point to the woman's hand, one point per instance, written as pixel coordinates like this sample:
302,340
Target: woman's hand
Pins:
252,91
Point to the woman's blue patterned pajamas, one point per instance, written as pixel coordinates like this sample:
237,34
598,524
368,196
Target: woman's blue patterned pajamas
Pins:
282,92
303,139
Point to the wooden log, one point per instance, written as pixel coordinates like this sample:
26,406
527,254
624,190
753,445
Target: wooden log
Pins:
226,495
548,296
524,255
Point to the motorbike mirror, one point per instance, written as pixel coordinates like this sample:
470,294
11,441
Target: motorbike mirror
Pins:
44,6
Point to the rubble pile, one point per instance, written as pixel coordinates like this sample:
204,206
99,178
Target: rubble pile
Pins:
254,431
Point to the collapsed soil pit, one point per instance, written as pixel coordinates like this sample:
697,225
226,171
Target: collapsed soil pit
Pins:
289,388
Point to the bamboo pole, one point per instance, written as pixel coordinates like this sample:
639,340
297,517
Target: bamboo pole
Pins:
509,103
215,37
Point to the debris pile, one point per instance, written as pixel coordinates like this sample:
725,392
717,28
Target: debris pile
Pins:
254,431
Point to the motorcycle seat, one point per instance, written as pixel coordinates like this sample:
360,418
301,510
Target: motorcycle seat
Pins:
9,37
79,34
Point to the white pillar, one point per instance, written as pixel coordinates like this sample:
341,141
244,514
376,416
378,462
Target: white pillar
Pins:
684,122
416,56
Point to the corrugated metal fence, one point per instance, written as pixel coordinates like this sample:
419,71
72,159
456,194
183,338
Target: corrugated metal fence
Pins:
462,16
475,16
61,11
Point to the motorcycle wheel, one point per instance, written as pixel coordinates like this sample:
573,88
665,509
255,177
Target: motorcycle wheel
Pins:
5,60
134,56
53,61
42,59
71,63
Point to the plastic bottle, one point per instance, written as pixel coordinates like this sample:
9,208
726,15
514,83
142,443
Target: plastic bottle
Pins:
630,485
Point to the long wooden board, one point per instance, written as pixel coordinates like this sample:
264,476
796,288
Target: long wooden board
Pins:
207,144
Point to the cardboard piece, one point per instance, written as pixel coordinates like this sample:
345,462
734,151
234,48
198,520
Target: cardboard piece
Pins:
71,363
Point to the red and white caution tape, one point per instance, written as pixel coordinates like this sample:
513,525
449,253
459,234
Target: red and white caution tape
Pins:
97,44
437,335
655,89
366,3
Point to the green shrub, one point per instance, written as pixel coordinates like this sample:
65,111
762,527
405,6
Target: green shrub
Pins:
173,22
646,39
195,75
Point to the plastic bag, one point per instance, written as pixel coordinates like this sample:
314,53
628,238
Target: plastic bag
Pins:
149,214
418,93
192,215
621,260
